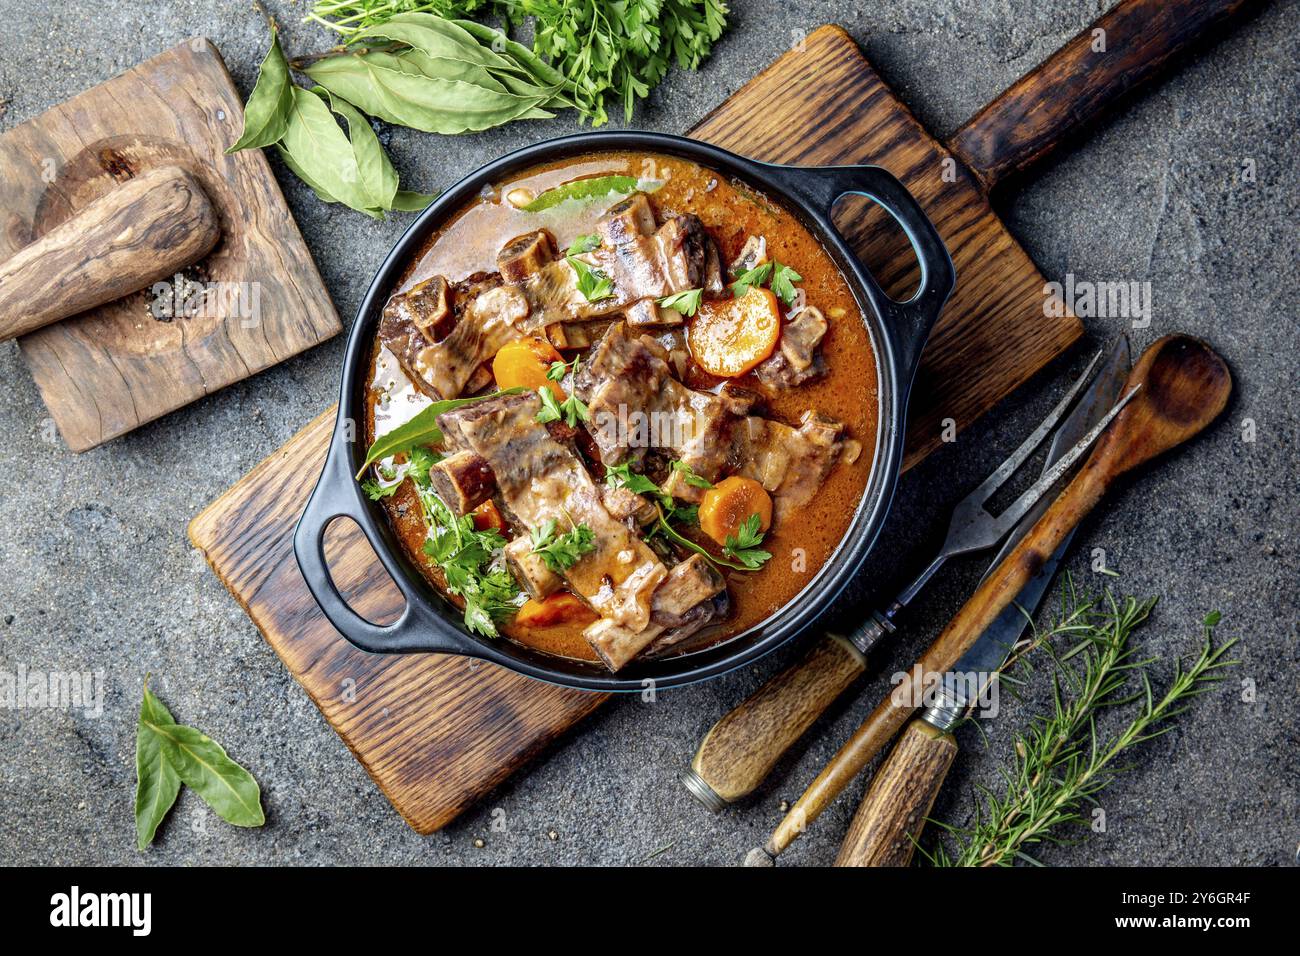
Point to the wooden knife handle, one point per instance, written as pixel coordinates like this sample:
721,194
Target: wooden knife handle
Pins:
144,230
892,814
742,748
1080,80
1184,386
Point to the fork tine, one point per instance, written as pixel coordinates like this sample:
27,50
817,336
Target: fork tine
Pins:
1007,520
1009,467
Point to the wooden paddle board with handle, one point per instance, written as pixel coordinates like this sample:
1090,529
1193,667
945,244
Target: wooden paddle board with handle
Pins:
437,733
253,301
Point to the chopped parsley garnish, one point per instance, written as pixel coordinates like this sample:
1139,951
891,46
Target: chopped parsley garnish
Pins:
687,303
416,467
751,278
672,534
592,283
690,476
744,545
622,476
562,551
468,559
783,280
572,410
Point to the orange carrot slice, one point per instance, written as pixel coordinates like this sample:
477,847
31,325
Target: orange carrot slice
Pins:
524,363
559,608
728,337
730,503
487,516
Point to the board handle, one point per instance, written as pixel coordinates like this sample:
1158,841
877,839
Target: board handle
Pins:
338,495
1123,48
908,322
741,749
889,821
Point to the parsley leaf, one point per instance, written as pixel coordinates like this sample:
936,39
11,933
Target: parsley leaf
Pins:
783,280
622,476
751,278
672,534
419,461
743,546
572,410
374,490
561,551
687,303
690,476
468,560
592,283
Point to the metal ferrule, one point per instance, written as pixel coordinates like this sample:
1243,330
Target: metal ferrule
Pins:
944,713
866,634
701,791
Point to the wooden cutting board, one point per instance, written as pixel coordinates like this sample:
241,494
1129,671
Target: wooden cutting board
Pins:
437,732
113,368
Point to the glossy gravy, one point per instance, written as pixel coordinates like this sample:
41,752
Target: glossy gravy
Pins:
731,212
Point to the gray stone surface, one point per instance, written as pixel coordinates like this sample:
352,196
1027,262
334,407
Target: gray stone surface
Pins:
96,572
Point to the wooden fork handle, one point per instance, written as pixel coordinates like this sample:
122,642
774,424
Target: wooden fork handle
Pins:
890,819
741,749
1126,46
996,591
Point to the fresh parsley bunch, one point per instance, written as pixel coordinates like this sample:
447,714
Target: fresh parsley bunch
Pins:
603,50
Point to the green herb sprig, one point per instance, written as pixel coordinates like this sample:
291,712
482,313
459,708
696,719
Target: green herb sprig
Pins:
783,280
423,64
592,283
751,278
744,545
599,51
1063,761
622,476
687,303
777,276
690,475
469,561
572,411
303,126
559,552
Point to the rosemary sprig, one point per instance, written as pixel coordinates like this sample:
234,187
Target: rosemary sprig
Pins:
1062,760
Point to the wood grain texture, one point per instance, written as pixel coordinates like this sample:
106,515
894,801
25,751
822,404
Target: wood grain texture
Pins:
107,371
155,224
739,751
822,104
436,732
1126,46
1182,387
892,815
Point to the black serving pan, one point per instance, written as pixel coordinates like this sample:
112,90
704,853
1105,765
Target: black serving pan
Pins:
898,331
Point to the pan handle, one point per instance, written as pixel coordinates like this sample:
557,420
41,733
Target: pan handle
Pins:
338,495
909,322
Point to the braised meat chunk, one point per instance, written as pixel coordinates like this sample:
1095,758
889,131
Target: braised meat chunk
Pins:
660,402
540,480
636,404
